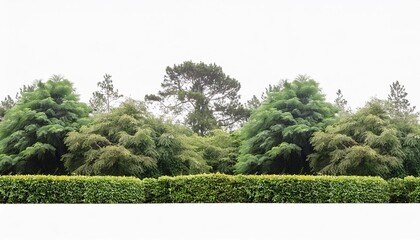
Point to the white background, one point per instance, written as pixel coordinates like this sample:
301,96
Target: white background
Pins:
358,46
211,221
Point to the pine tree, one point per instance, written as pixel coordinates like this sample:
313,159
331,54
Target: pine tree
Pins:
341,103
101,101
203,95
398,103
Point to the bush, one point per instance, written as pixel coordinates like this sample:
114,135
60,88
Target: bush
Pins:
214,188
203,188
314,189
405,190
75,189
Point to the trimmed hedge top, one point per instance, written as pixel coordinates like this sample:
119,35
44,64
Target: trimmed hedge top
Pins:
215,188
204,188
66,189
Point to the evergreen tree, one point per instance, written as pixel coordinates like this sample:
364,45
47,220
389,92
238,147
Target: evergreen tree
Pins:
398,103
341,103
205,96
9,102
32,132
101,101
276,137
254,102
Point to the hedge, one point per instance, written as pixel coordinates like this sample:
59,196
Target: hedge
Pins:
205,188
405,190
215,188
74,189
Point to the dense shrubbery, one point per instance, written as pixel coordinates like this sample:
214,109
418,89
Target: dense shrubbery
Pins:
406,190
208,188
76,189
266,188
130,142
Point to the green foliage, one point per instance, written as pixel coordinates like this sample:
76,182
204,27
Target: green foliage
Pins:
101,100
276,137
214,188
75,189
9,102
341,103
405,190
266,189
207,188
399,106
367,143
32,132
219,149
203,94
254,102
130,142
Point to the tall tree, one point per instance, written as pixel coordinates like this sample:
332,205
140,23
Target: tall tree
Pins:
276,137
32,132
101,101
399,104
203,94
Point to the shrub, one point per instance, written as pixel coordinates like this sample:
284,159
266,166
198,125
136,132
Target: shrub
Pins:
214,188
405,190
203,188
314,189
75,189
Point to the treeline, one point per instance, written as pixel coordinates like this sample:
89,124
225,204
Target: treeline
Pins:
204,127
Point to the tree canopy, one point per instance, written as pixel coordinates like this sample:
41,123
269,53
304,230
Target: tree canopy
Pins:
32,132
369,142
203,94
131,142
276,137
9,102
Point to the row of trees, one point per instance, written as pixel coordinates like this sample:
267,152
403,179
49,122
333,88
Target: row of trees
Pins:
290,129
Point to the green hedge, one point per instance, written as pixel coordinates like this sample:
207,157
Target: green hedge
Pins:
205,188
64,189
405,190
214,188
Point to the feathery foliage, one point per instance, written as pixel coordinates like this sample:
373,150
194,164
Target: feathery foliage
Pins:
368,142
9,102
32,132
219,149
276,137
130,142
